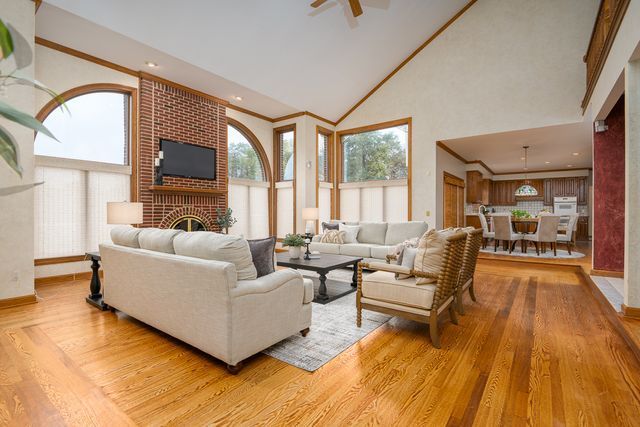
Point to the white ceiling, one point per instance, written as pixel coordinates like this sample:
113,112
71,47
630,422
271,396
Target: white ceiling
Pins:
503,152
281,56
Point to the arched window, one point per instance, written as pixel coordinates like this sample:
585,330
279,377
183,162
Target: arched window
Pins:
87,168
249,182
244,161
92,127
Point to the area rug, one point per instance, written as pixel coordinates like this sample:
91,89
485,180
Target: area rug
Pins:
531,253
333,330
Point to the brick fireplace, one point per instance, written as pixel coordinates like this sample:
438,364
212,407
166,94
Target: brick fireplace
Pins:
177,114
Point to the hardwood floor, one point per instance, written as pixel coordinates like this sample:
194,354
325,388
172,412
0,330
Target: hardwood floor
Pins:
536,348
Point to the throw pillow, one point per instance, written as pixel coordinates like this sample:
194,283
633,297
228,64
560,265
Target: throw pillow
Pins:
411,243
430,253
262,252
406,259
351,233
330,226
333,236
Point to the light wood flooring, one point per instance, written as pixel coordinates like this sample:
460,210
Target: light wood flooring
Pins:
536,348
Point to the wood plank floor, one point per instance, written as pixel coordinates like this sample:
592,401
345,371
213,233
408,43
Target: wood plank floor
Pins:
534,349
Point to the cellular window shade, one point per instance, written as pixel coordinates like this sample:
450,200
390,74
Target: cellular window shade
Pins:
250,204
374,203
70,209
323,161
324,204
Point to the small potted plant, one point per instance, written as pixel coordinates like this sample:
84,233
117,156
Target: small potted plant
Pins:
294,242
225,219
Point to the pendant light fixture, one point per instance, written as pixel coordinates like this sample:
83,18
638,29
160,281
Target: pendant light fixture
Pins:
526,189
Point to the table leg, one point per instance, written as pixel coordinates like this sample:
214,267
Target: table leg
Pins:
354,279
322,290
95,297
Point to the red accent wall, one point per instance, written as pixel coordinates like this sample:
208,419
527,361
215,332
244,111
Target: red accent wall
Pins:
172,113
608,193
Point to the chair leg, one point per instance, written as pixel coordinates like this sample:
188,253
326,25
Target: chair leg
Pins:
304,332
452,314
458,301
433,330
569,247
537,248
495,245
555,249
472,293
525,245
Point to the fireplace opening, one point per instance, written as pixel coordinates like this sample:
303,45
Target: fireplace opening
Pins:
189,223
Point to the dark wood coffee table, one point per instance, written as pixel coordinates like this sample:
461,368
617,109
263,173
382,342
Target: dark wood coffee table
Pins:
322,266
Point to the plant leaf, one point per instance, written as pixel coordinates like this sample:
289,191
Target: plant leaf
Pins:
6,42
9,151
24,119
36,84
6,191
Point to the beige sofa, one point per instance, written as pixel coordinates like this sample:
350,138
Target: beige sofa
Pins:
376,240
202,301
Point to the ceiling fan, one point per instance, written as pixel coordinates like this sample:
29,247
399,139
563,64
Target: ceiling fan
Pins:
356,8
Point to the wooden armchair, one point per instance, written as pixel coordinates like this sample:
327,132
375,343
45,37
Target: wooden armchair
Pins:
382,292
472,246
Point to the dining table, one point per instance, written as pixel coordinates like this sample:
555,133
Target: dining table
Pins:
524,225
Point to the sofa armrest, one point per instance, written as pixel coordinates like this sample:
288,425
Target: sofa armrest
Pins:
266,283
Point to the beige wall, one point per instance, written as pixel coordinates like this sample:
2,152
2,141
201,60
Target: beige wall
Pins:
16,212
502,66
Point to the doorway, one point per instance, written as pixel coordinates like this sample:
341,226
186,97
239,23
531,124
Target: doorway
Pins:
453,201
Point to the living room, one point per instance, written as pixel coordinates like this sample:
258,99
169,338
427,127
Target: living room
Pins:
213,218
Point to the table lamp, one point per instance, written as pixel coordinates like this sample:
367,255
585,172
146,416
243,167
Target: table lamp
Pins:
124,213
309,216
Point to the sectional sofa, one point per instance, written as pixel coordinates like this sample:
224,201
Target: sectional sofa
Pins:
376,240
202,288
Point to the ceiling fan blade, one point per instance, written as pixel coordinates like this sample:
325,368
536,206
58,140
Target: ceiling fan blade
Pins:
356,9
318,3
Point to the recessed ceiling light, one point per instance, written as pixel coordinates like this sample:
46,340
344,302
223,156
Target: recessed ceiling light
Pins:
569,166
521,158
576,154
237,98
151,64
547,163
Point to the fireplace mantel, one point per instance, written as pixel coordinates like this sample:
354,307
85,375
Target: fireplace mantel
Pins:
168,189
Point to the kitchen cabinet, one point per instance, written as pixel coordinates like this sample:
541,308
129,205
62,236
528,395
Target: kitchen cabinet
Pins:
504,193
566,187
582,231
486,191
548,192
478,189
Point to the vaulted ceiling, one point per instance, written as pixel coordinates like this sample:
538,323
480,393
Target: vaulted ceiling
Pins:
280,56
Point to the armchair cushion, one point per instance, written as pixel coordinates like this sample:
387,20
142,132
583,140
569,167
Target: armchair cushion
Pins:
430,253
383,286
391,268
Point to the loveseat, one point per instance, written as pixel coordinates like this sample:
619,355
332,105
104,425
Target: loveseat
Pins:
375,240
201,288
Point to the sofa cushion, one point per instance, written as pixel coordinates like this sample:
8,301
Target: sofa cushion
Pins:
356,249
430,253
325,248
263,254
372,232
125,235
351,233
382,285
381,252
159,240
398,232
219,247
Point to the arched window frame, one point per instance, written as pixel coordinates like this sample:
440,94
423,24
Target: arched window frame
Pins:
264,160
133,121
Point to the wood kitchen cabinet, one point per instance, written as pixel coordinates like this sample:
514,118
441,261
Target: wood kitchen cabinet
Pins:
582,231
478,189
548,192
566,187
504,193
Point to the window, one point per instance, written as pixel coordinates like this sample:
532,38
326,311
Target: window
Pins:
244,162
248,183
284,154
82,172
324,194
95,128
376,155
375,184
323,156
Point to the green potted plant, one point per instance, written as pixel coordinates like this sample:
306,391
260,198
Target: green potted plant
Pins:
294,242
225,219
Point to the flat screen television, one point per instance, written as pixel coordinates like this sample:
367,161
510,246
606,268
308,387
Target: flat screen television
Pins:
188,160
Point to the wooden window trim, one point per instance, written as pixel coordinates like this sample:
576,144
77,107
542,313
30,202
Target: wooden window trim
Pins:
133,120
276,174
58,260
330,159
377,126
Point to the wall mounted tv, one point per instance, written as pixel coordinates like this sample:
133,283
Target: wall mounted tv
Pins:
188,160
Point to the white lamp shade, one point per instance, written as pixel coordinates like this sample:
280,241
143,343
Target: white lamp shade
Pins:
309,214
124,213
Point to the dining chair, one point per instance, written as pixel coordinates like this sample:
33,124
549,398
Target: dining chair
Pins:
486,234
568,238
503,229
547,232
